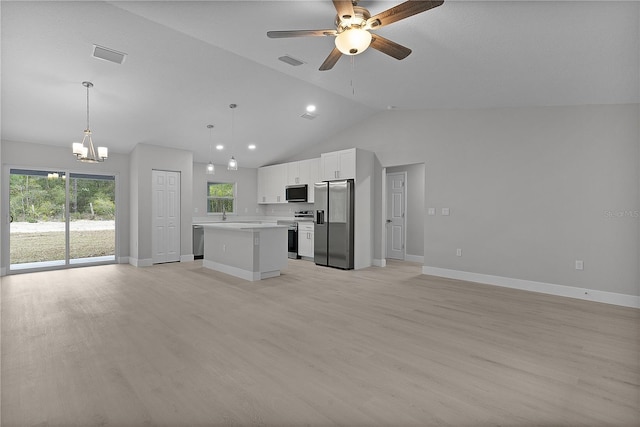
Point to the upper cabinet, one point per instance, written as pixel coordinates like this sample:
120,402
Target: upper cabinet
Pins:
272,181
309,174
338,165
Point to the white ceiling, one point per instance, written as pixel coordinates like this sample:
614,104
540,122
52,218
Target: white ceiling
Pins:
187,61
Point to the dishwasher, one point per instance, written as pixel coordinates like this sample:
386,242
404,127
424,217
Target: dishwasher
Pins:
198,242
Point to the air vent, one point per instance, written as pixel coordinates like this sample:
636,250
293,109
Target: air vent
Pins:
101,52
290,60
308,116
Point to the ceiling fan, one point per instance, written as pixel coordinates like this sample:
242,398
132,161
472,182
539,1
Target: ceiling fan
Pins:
352,29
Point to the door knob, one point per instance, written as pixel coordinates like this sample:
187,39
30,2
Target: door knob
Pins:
388,221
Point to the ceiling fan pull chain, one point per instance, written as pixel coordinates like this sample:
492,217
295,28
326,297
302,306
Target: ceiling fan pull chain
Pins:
353,72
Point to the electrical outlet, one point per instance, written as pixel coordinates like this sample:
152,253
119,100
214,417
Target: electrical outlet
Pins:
445,211
431,211
458,252
579,264
195,210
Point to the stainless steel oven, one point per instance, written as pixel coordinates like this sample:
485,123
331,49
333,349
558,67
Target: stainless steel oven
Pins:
292,241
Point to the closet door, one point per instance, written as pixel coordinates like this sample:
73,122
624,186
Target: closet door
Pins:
166,216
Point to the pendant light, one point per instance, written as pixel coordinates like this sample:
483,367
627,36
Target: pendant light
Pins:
87,153
211,169
233,163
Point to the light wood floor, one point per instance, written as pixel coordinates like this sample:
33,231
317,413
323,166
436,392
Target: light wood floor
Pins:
179,345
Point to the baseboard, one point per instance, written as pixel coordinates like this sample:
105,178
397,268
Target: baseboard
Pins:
186,258
140,262
414,258
239,272
545,288
3,271
123,260
379,262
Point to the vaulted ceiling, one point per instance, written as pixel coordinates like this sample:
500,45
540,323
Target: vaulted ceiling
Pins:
187,61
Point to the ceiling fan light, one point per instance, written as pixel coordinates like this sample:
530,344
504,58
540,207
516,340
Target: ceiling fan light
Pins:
353,41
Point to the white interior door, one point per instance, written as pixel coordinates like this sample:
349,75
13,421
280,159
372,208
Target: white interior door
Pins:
166,216
396,207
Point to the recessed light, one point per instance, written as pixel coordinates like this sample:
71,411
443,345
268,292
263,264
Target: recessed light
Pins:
219,147
252,146
311,108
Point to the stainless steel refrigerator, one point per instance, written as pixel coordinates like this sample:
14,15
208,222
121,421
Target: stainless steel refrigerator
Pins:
334,220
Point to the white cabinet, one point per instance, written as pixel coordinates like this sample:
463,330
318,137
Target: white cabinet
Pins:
309,174
293,173
338,165
272,181
262,184
305,239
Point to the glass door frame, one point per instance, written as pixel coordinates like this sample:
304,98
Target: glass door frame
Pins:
68,262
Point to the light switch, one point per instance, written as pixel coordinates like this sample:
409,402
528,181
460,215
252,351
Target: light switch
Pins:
431,211
458,252
445,211
195,210
579,264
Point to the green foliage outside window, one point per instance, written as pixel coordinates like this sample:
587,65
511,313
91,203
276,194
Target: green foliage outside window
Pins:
37,198
220,197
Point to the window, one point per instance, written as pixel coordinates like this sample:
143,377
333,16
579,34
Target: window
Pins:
60,218
221,197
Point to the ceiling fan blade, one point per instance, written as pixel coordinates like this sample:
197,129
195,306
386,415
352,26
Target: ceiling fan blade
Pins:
390,48
331,60
401,11
300,33
344,8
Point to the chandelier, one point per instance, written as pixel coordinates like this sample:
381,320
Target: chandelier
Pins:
84,151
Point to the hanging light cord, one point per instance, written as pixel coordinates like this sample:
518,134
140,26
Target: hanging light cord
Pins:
88,107
210,141
233,108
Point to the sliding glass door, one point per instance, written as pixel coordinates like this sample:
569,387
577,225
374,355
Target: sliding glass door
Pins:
92,212
60,218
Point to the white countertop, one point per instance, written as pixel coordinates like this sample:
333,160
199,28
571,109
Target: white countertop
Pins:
216,219
240,226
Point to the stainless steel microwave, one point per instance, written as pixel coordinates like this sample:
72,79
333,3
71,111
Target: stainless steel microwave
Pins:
296,193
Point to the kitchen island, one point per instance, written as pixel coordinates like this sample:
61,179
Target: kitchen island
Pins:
251,251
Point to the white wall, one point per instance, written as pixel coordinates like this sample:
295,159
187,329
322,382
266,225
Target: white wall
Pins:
35,156
145,158
246,181
531,190
4,214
